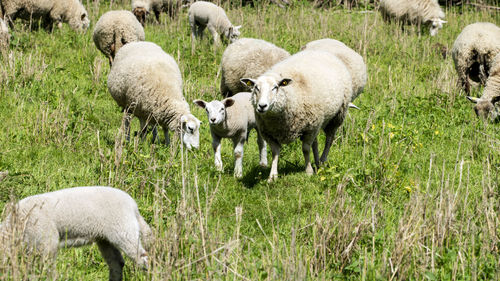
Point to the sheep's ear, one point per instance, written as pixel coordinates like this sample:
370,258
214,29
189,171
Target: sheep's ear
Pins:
352,105
237,27
184,119
250,83
285,82
228,102
495,99
442,21
200,103
472,99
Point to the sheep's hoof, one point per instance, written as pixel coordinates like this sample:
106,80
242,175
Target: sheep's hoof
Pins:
272,178
309,170
263,164
238,175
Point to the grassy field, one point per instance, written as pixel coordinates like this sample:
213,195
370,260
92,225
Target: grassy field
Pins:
410,191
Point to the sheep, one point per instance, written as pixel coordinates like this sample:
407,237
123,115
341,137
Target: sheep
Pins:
233,118
4,36
203,14
115,29
49,11
142,8
296,98
79,216
488,105
354,62
419,12
146,82
247,57
473,52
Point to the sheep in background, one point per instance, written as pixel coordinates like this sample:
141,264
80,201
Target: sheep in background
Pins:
296,98
142,8
203,14
247,57
488,105
233,118
473,52
419,12
80,216
50,12
146,82
4,36
115,29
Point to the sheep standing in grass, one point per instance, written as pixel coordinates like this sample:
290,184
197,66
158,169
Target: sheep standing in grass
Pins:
488,105
233,118
49,11
419,12
80,216
4,36
146,82
473,53
205,14
247,57
298,97
115,29
142,8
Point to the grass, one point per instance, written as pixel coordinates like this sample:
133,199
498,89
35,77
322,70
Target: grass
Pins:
410,191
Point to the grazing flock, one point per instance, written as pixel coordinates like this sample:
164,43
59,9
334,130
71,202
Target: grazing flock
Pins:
283,97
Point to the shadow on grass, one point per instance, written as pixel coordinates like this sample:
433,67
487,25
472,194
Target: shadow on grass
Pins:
258,174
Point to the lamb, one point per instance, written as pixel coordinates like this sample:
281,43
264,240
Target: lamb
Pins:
473,52
419,12
4,36
247,57
233,118
79,216
115,29
49,11
488,105
296,98
203,14
354,62
142,8
146,82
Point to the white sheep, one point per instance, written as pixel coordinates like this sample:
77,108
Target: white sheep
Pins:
473,52
142,8
203,14
146,82
115,29
80,216
296,98
4,36
49,11
247,57
419,12
233,118
488,105
353,61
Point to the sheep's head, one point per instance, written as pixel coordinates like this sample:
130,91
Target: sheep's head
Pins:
264,91
190,131
216,110
487,109
79,20
436,24
140,13
233,33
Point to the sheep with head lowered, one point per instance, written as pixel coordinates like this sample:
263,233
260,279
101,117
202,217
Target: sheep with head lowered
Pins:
4,36
146,82
80,216
247,57
473,52
298,97
418,12
233,118
142,8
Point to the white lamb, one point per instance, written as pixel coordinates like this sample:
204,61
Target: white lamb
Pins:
473,53
4,36
142,8
353,61
205,14
146,82
296,98
247,57
115,29
49,11
233,118
419,12
80,216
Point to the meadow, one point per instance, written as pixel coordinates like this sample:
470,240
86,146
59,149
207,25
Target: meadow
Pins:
411,190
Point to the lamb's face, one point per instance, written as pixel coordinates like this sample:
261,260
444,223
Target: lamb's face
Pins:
80,20
436,25
216,110
140,13
264,91
190,131
234,33
487,109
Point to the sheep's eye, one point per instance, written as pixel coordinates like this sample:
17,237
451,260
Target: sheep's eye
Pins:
221,110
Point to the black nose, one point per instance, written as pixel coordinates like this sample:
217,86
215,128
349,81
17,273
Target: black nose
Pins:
212,119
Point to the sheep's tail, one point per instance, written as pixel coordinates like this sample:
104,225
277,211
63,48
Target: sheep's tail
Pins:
145,232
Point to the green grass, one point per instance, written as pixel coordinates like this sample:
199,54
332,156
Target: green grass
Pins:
410,191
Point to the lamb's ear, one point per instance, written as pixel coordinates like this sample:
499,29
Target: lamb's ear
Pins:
228,102
250,83
352,105
200,103
284,82
237,27
472,99
184,119
442,21
495,99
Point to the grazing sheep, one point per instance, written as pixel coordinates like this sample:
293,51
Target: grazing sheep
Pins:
353,61
205,14
146,82
296,98
142,8
80,216
247,57
4,36
233,118
488,105
419,12
473,53
49,11
115,29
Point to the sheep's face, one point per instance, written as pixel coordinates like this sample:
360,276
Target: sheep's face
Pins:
190,131
436,25
234,33
265,91
140,13
80,20
487,109
216,110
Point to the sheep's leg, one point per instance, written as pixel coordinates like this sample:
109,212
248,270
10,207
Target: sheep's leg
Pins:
238,155
275,149
113,258
330,131
315,152
144,129
126,125
262,150
307,140
167,137
215,35
216,145
157,16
